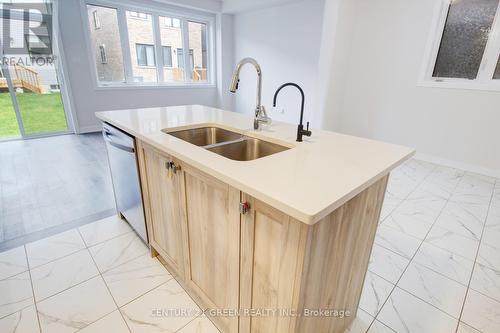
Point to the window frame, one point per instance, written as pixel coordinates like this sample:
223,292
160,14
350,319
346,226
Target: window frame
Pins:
184,15
484,79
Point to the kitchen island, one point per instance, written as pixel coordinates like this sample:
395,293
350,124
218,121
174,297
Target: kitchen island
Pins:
278,243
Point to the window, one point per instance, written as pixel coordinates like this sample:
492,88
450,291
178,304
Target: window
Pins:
141,43
167,21
171,22
167,56
464,51
180,58
198,50
148,47
145,55
171,36
139,15
106,44
97,23
102,51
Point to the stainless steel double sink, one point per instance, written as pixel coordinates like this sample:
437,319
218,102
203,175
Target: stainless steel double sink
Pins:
229,144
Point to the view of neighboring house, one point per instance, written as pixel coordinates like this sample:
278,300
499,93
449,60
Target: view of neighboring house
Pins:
104,31
104,35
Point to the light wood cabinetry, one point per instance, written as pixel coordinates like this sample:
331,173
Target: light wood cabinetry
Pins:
271,258
300,269
261,258
213,224
165,214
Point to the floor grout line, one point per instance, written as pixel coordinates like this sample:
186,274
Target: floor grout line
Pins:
86,280
135,298
475,260
33,291
72,253
413,257
107,288
408,195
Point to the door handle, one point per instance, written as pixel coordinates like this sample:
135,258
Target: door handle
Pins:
117,145
171,167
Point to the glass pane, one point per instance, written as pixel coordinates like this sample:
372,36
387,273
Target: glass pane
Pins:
150,55
496,75
167,56
198,50
141,55
8,121
39,97
35,82
106,45
140,35
464,38
171,41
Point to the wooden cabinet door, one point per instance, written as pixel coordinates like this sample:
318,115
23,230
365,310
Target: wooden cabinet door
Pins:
213,224
165,207
272,252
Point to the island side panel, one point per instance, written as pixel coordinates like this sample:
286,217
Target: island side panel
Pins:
338,250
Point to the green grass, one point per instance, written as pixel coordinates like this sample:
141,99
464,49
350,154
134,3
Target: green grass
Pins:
41,113
8,122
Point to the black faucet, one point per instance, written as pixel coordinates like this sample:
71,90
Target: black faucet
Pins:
300,128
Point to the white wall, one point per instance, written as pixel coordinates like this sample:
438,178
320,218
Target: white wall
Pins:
87,100
373,92
235,6
285,40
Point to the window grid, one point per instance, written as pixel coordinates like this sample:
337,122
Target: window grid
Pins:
157,53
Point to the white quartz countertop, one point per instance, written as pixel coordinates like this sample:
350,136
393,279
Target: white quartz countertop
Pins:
307,182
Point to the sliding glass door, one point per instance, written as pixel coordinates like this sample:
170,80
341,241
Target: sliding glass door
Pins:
9,128
29,85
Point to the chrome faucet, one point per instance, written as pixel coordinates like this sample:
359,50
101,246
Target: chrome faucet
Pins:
261,116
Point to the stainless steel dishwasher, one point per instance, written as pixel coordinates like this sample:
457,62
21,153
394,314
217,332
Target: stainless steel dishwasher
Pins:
125,176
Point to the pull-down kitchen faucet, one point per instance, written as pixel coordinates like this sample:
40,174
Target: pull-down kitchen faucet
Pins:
300,128
260,111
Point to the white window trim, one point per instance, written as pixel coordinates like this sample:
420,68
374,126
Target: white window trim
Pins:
484,79
183,14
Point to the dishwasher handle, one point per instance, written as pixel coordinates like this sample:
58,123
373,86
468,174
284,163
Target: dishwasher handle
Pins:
107,137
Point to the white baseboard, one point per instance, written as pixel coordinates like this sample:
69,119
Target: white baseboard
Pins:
458,165
90,129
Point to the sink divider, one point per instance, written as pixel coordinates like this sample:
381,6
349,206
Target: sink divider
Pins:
214,145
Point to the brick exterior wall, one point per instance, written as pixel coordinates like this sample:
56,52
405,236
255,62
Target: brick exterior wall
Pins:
140,31
108,35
